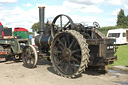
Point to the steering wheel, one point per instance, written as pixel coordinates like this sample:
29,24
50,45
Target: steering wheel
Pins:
96,25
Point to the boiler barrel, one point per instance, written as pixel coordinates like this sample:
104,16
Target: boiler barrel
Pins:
43,41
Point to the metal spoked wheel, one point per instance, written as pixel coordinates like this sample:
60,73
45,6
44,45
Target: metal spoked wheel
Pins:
60,23
69,53
29,56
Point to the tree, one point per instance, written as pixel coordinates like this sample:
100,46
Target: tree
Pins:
121,18
126,20
35,27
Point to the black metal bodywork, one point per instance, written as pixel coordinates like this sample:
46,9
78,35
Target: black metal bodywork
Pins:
72,47
102,49
101,52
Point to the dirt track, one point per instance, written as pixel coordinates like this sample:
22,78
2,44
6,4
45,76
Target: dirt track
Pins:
12,73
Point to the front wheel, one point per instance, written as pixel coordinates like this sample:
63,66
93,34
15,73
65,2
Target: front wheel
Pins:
29,56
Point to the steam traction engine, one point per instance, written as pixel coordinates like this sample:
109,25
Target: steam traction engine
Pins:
72,47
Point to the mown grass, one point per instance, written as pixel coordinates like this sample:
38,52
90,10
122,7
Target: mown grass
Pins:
122,56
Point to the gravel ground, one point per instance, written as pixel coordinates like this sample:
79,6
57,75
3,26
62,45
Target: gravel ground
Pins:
14,73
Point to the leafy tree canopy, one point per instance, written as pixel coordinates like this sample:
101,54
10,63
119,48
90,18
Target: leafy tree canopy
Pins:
122,20
36,26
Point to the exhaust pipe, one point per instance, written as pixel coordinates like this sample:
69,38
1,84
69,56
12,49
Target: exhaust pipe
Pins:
41,20
42,41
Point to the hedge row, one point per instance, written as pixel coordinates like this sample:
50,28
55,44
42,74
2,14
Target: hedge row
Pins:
104,30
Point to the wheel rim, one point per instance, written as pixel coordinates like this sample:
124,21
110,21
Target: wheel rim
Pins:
67,54
29,56
60,23
17,57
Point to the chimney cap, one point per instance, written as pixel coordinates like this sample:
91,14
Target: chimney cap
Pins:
41,7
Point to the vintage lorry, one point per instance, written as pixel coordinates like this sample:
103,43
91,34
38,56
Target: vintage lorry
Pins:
11,45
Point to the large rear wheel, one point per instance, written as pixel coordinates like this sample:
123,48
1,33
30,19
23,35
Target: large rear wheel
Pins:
69,53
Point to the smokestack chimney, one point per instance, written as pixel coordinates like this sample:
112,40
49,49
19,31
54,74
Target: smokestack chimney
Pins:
41,20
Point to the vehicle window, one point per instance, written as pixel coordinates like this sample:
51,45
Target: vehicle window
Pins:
114,35
124,34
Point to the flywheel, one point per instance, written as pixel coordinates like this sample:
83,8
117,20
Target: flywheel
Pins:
69,53
60,23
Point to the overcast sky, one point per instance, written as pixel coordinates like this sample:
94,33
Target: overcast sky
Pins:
23,13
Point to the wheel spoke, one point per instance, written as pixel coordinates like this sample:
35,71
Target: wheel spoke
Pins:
76,51
66,24
60,42
78,56
64,64
56,59
25,59
60,61
66,69
74,66
61,22
72,43
67,37
27,53
74,59
65,42
71,66
60,47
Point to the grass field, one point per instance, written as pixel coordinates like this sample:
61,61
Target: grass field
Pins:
122,56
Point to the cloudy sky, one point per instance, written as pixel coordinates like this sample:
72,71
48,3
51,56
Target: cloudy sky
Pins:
23,13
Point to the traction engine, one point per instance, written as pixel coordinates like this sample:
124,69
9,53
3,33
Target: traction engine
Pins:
71,47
